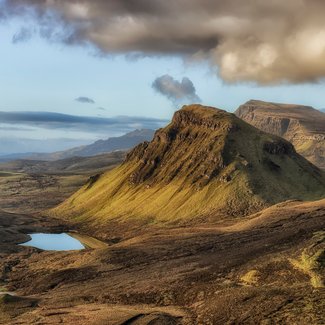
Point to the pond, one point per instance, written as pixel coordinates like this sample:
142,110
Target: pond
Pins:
63,242
54,242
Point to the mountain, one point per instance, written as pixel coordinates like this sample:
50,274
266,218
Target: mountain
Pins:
303,126
124,142
205,165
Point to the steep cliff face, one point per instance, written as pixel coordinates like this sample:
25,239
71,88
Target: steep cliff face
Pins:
192,148
303,126
205,165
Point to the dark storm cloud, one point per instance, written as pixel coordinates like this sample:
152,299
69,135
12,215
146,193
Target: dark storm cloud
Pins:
253,40
85,100
179,92
48,120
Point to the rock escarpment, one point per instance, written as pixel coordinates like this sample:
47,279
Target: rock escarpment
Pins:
303,126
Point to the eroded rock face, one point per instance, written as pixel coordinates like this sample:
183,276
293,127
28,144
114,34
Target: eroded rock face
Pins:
191,147
188,116
303,126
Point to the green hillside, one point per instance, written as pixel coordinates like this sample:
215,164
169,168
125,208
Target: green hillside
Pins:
206,164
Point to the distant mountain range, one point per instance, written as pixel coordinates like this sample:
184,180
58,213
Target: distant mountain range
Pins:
303,126
124,142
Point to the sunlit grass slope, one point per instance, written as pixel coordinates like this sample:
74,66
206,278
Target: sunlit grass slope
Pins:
204,165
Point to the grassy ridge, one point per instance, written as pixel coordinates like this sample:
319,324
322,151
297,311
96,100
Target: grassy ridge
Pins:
205,165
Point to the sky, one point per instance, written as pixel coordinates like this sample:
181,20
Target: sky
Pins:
72,72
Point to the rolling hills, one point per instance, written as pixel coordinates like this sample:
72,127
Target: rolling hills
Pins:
303,126
73,165
205,165
34,185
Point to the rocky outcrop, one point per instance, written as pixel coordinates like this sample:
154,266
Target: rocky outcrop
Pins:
278,148
303,126
166,157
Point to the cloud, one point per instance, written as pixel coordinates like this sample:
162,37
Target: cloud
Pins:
85,100
261,41
23,35
15,128
57,121
101,109
179,92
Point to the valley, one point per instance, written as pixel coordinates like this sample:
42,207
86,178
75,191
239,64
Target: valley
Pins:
32,185
211,222
162,162
181,276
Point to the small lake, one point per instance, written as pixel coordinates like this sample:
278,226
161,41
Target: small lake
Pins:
63,242
54,242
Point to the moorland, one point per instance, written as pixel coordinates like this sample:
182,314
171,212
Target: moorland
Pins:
213,221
